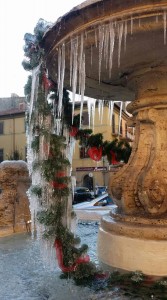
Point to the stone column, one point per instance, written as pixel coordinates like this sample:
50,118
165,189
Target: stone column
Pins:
135,234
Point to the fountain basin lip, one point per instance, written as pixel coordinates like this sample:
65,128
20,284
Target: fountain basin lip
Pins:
93,12
87,18
135,227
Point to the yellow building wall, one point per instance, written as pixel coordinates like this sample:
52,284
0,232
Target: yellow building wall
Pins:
14,137
102,124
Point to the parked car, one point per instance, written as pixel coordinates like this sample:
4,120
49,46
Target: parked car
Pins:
100,190
82,194
94,209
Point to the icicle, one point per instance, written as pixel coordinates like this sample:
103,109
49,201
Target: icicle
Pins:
61,84
106,43
156,19
59,68
93,112
131,25
120,30
34,89
82,87
139,22
91,104
89,111
57,126
164,19
102,110
71,55
126,104
81,61
95,38
70,149
125,35
99,108
74,74
111,110
101,43
91,55
111,50
120,118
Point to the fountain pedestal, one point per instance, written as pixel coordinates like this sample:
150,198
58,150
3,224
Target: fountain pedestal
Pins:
132,244
135,237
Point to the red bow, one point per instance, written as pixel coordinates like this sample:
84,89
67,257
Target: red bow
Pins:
114,160
73,131
95,153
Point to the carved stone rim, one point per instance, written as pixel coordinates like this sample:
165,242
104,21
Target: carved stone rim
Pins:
134,230
146,219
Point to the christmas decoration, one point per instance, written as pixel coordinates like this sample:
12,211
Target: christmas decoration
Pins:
117,151
95,153
73,131
49,201
59,255
114,161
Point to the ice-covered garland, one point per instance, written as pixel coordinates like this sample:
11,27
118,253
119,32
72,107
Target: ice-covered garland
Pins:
49,195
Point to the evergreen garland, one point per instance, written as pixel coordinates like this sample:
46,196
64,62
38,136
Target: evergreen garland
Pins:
52,216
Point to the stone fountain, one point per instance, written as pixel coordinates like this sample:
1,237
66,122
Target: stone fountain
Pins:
116,50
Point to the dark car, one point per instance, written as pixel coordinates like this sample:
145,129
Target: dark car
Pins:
100,190
82,194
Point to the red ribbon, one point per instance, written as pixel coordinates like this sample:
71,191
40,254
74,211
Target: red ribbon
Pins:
95,153
114,161
46,82
59,255
73,131
57,185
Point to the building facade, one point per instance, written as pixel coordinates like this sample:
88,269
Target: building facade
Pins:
12,128
90,173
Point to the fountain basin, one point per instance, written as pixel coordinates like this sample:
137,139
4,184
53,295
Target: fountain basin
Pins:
139,30
117,50
133,243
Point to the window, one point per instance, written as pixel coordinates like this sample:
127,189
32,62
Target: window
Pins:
1,155
83,153
85,118
1,127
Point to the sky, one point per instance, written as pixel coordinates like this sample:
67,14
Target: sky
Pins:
18,17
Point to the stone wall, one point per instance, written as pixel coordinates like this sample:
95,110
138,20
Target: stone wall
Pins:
14,203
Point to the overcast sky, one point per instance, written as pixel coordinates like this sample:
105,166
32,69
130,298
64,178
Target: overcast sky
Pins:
18,17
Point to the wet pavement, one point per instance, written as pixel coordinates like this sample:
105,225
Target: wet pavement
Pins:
26,275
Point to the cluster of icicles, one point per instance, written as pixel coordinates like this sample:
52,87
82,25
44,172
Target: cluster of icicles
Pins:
105,36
